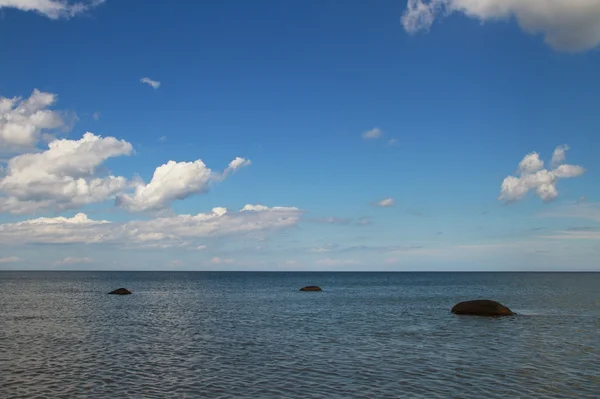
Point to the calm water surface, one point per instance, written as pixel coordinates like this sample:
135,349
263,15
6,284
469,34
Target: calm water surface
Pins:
253,335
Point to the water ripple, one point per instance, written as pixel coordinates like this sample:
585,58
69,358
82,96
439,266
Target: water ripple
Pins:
226,336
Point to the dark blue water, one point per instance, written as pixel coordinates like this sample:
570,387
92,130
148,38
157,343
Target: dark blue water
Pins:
253,335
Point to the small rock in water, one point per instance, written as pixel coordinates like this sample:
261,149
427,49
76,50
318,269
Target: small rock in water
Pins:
482,307
120,291
311,288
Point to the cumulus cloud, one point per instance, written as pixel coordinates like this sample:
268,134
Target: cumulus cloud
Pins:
533,176
174,181
372,134
572,25
23,121
73,261
165,232
53,9
155,84
386,202
10,259
62,177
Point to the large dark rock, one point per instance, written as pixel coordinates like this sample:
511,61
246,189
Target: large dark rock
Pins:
311,288
120,291
482,307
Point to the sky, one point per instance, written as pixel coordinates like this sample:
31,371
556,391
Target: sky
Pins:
441,135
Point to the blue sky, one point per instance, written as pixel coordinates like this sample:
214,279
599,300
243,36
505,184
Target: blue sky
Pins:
330,108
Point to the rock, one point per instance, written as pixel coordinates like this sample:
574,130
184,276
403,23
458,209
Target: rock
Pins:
120,291
311,288
482,307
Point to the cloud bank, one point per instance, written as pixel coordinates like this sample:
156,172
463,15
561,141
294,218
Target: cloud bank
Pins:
167,232
566,25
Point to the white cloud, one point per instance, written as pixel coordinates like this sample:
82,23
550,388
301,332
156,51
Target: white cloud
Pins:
567,25
10,259
23,121
558,156
532,176
386,202
221,261
372,134
325,248
96,115
53,9
73,261
574,235
62,177
174,181
392,142
166,232
155,84
336,262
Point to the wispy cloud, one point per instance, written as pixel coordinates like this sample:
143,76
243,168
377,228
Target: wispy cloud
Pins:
221,261
392,142
10,259
582,228
584,210
325,248
372,134
574,235
155,84
53,9
382,248
330,220
96,115
73,260
386,202
364,221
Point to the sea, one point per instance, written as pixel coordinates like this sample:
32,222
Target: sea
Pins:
255,335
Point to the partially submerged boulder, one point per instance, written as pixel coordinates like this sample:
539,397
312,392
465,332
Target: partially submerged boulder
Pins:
120,291
481,307
311,288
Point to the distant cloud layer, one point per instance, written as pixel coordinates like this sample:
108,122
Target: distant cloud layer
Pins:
566,25
533,176
53,9
181,231
155,84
